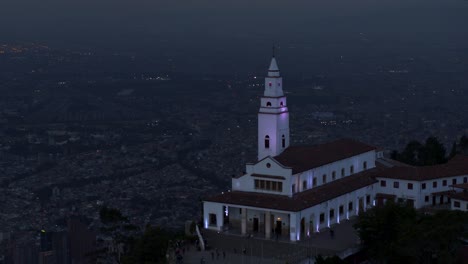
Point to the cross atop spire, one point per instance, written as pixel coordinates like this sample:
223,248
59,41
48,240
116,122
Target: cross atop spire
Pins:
273,70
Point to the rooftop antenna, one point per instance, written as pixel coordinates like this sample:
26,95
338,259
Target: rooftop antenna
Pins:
273,51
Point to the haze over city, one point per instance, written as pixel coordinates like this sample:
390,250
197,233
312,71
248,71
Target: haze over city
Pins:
150,131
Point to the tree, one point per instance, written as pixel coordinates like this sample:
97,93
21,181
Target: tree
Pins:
385,224
454,151
397,233
151,248
412,152
417,154
111,215
463,144
433,152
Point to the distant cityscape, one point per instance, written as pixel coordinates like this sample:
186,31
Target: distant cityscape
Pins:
79,131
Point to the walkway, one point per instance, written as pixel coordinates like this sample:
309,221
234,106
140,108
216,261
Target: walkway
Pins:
261,250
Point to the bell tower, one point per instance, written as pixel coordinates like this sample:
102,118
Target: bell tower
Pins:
273,116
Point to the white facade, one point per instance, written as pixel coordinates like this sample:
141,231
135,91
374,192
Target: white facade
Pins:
268,180
460,205
422,193
273,116
333,171
296,225
267,166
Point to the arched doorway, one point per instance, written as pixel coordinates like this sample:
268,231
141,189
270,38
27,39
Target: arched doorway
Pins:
303,231
311,225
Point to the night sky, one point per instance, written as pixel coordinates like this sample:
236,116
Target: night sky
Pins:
220,33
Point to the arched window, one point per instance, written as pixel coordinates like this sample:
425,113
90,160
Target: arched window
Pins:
283,141
304,185
333,175
342,172
364,165
281,104
268,104
267,141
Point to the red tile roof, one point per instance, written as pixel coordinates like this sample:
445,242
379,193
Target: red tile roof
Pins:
302,200
459,196
457,166
463,186
304,158
443,193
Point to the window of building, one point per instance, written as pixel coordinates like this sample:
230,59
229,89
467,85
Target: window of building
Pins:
332,214
333,175
396,185
262,184
314,182
324,178
240,210
281,103
350,206
341,210
274,186
322,218
367,199
268,104
267,141
456,204
444,183
268,185
293,188
410,186
283,141
434,184
364,165
426,198
465,179
454,181
304,185
280,187
383,183
257,184
212,219
351,169
268,165
423,186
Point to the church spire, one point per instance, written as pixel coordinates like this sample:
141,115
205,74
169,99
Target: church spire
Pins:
273,70
273,116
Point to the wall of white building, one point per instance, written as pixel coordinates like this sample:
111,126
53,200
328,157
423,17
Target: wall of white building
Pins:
267,166
356,161
234,213
420,194
312,215
463,205
213,208
291,221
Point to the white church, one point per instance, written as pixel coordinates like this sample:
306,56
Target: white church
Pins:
294,191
